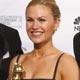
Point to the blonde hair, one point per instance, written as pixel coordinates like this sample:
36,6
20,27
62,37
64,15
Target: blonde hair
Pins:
48,3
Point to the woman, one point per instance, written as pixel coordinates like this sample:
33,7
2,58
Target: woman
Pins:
44,61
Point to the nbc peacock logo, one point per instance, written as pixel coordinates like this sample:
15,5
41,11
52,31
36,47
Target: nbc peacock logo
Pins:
77,24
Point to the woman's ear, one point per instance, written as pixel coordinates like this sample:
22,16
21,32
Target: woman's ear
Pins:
57,22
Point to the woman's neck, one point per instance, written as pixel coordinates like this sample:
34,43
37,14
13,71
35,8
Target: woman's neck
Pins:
44,49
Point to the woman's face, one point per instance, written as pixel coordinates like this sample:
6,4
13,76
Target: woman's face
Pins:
40,23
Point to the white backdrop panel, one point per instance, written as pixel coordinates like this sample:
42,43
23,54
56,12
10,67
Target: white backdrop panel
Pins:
12,13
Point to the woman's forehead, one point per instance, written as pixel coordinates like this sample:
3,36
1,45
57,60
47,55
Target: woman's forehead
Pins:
38,10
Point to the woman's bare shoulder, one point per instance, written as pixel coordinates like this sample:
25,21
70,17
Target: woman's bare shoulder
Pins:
68,65
68,59
20,59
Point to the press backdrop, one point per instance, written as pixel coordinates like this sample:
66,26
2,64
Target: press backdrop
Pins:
12,13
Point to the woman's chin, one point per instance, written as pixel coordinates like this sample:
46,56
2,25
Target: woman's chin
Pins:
36,42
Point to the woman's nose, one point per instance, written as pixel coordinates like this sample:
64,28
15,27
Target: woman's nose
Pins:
35,25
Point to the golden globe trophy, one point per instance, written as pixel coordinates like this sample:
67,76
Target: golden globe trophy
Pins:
17,71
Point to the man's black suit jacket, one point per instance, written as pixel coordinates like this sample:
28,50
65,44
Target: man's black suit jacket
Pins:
9,41
76,47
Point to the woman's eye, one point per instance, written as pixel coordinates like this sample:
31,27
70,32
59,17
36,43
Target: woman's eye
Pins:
29,20
42,20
